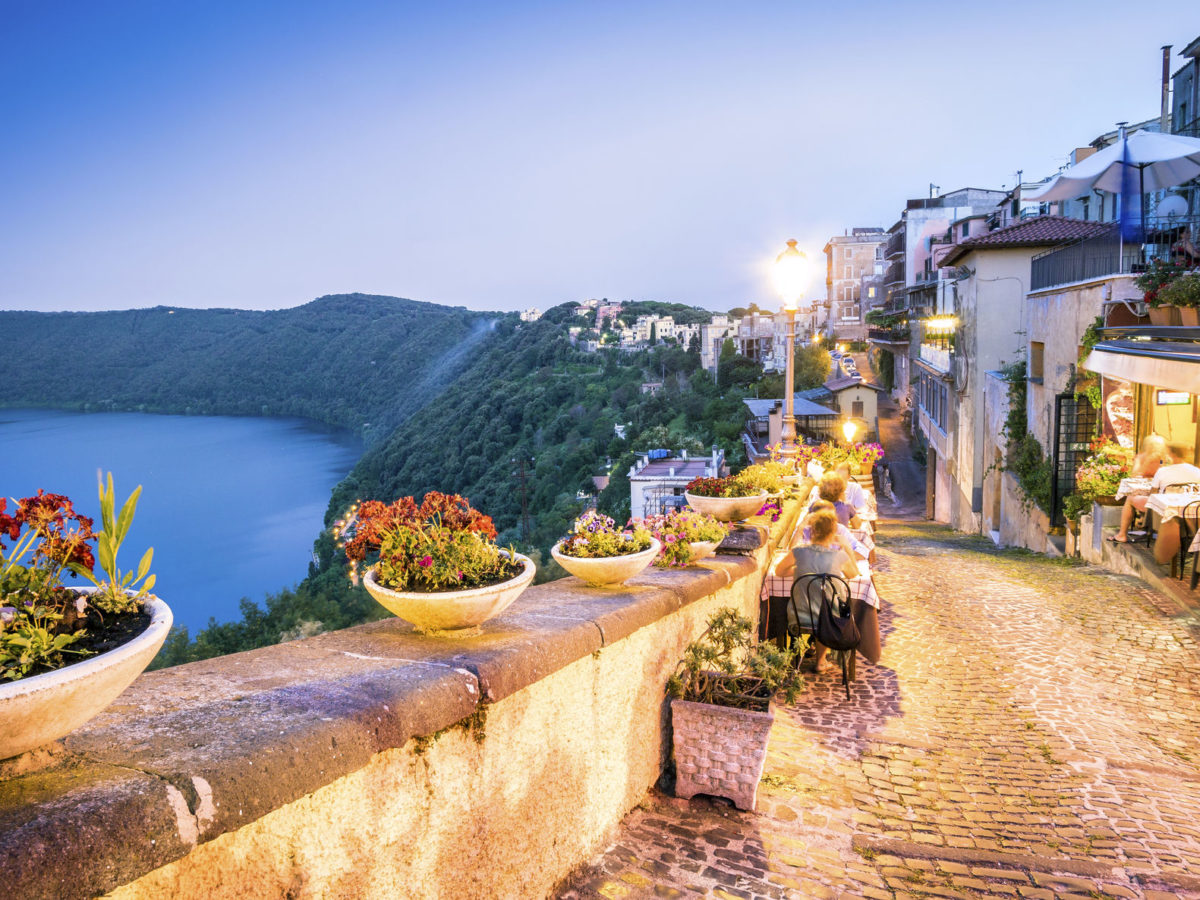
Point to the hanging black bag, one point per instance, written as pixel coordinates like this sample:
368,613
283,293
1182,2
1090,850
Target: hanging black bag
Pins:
836,628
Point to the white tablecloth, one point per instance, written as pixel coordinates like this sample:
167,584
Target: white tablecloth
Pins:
1133,487
1195,543
1168,506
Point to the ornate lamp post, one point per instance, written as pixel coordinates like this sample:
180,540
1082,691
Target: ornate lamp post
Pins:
791,277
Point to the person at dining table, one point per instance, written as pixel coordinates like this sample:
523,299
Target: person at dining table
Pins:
846,538
1174,471
824,555
855,496
1145,465
832,487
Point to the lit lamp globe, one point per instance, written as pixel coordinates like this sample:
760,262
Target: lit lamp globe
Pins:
849,429
791,274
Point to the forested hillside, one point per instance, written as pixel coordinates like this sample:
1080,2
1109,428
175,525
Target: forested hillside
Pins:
525,394
357,361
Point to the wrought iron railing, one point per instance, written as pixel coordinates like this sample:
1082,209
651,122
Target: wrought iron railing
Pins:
895,245
1162,237
894,273
899,334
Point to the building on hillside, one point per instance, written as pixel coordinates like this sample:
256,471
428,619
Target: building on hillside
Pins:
856,400
913,245
755,338
658,478
764,428
849,259
531,315
976,321
712,338
607,313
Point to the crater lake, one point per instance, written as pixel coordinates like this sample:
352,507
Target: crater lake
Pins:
231,505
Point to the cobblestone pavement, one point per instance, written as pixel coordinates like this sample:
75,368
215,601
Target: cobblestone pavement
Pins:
1031,731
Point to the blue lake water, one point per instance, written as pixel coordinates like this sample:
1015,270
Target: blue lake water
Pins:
231,505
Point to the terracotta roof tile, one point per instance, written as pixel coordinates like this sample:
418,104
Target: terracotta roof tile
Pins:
1044,231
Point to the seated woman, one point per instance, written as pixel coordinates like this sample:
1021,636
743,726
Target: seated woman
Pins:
852,545
1145,465
855,495
824,555
832,488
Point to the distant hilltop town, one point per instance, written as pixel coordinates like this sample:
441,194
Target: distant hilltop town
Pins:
757,335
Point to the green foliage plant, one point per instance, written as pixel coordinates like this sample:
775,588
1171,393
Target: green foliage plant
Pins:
119,592
767,476
442,544
1183,290
676,530
726,666
1156,279
729,486
596,536
39,617
1024,456
1098,477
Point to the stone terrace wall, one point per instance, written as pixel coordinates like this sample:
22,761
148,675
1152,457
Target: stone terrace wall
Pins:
373,761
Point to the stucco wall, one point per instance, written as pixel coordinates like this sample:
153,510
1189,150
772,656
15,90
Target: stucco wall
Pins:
374,762
1058,319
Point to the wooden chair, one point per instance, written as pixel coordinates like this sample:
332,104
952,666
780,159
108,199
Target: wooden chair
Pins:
808,592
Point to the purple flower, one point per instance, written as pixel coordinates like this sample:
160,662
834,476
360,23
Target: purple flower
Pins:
425,562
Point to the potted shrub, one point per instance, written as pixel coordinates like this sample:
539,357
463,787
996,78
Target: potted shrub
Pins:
66,653
1098,478
436,564
725,499
1153,281
600,553
864,456
721,709
1183,293
686,536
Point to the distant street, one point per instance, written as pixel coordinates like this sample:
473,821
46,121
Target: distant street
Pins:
908,477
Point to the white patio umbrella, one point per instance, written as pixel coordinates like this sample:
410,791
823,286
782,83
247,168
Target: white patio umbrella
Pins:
1158,160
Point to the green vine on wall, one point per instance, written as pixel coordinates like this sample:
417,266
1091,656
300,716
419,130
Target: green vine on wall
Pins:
1084,378
1024,456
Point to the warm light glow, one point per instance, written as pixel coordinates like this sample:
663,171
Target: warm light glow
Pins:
842,348
941,325
816,337
791,275
849,429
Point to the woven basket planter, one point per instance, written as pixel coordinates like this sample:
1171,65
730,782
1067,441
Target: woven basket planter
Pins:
719,750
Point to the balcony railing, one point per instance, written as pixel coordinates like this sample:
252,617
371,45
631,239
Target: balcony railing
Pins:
897,335
895,245
1107,254
1190,129
894,273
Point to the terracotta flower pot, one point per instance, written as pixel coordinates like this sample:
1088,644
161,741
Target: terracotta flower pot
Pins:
42,708
719,750
606,569
1189,316
1164,315
451,611
727,509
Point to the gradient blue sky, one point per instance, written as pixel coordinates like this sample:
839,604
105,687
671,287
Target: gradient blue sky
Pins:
504,155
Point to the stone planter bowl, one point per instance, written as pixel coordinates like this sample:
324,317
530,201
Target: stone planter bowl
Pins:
727,509
451,611
43,708
609,569
719,750
703,549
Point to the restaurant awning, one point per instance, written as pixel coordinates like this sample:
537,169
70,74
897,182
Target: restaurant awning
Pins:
1175,366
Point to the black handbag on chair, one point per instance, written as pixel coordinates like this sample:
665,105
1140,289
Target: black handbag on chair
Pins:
821,607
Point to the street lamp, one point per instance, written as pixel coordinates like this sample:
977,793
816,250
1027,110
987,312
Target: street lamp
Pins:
791,277
849,428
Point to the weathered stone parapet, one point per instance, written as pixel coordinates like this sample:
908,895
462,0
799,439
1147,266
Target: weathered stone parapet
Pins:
373,761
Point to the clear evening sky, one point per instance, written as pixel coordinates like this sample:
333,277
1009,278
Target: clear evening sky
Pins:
505,155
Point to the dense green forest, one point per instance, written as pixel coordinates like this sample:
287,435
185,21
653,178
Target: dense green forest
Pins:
356,361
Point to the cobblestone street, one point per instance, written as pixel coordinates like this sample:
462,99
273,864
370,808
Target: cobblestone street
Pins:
1031,731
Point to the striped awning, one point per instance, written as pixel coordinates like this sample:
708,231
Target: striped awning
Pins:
1175,366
